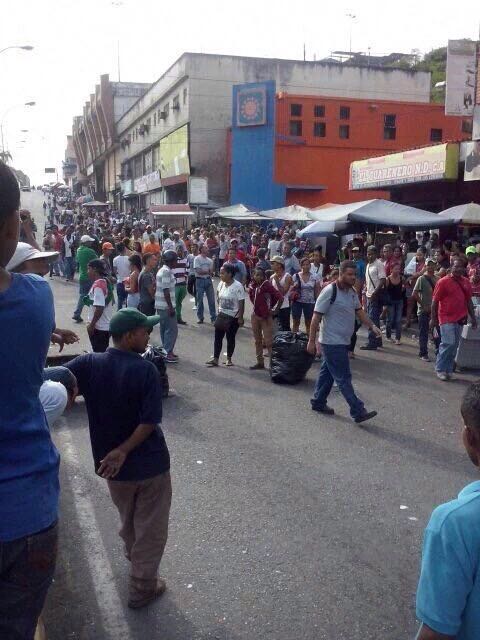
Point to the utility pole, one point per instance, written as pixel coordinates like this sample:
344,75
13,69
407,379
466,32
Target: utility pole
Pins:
352,18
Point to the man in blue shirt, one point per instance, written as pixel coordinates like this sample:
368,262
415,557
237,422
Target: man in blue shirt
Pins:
123,396
448,595
28,459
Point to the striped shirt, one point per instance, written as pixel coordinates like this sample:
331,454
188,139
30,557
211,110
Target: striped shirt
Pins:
180,271
165,280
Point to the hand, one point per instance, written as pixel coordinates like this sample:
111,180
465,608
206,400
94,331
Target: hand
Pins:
171,311
376,331
319,349
311,347
241,322
90,329
68,337
432,324
111,464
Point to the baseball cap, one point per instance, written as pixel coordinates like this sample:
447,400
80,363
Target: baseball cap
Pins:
129,319
469,250
430,261
86,238
278,259
355,248
25,252
107,245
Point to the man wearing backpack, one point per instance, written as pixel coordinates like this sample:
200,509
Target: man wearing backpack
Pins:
423,293
336,308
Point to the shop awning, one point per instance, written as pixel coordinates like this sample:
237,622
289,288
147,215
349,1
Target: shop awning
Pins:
95,203
293,213
391,214
180,210
463,213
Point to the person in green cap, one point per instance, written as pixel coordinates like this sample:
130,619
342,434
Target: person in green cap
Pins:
123,396
85,254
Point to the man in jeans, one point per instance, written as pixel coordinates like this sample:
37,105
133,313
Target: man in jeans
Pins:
423,294
452,304
121,270
165,304
375,279
123,396
85,254
29,462
203,266
336,308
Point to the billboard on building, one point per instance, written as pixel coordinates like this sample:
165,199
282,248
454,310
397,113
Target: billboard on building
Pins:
174,154
461,73
251,106
439,162
198,190
472,160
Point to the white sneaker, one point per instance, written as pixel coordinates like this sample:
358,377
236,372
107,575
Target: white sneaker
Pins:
194,308
442,376
192,299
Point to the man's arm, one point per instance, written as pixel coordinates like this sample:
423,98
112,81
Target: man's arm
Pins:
434,315
364,319
113,461
97,314
311,345
425,633
241,311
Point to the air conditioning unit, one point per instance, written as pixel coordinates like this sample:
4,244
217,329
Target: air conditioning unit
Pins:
163,115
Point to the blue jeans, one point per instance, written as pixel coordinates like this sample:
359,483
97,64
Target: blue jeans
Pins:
450,337
69,267
83,289
394,318
121,295
205,286
168,329
26,572
336,367
374,310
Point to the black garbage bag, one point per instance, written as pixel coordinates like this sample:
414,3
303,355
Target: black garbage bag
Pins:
157,356
290,358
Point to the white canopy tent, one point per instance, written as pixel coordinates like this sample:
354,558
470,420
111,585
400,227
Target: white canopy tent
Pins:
293,213
463,213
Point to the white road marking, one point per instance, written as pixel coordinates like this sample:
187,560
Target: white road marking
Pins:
110,605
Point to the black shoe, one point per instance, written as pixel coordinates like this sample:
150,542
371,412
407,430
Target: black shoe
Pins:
365,416
181,322
77,320
328,411
368,347
199,321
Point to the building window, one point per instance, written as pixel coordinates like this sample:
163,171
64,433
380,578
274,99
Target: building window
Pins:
155,119
185,96
295,127
389,126
320,129
159,116
319,111
345,113
467,126
176,103
436,135
296,110
344,131
149,122
166,108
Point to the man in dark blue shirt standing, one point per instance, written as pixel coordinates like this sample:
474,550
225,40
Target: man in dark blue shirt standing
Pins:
123,397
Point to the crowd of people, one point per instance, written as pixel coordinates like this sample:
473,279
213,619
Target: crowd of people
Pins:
131,278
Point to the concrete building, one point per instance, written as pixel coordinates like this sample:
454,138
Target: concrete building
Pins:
94,133
297,149
180,126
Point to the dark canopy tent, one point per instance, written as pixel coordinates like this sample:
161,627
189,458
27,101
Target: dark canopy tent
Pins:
383,213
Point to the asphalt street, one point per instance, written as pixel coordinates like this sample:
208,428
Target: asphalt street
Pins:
285,524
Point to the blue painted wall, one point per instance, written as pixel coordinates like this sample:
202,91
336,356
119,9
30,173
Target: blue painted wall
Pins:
253,156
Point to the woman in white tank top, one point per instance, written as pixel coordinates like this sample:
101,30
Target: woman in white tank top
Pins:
282,282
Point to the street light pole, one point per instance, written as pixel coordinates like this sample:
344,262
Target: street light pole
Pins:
31,103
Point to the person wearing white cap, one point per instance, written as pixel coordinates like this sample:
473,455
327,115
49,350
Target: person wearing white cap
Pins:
85,254
27,259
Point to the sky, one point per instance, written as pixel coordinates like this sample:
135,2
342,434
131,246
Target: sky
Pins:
75,42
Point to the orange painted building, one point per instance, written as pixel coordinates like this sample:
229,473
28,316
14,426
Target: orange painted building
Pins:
317,137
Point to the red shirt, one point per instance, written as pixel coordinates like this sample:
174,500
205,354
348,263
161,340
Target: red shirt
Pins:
452,296
264,297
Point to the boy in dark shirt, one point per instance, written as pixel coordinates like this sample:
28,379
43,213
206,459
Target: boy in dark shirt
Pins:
123,397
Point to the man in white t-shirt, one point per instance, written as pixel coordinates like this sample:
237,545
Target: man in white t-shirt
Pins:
121,270
375,279
165,304
273,246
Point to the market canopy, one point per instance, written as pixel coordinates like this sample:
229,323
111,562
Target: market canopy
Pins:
463,213
95,203
180,210
391,214
237,212
293,213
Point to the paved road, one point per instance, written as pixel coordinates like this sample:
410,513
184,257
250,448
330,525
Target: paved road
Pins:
284,524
